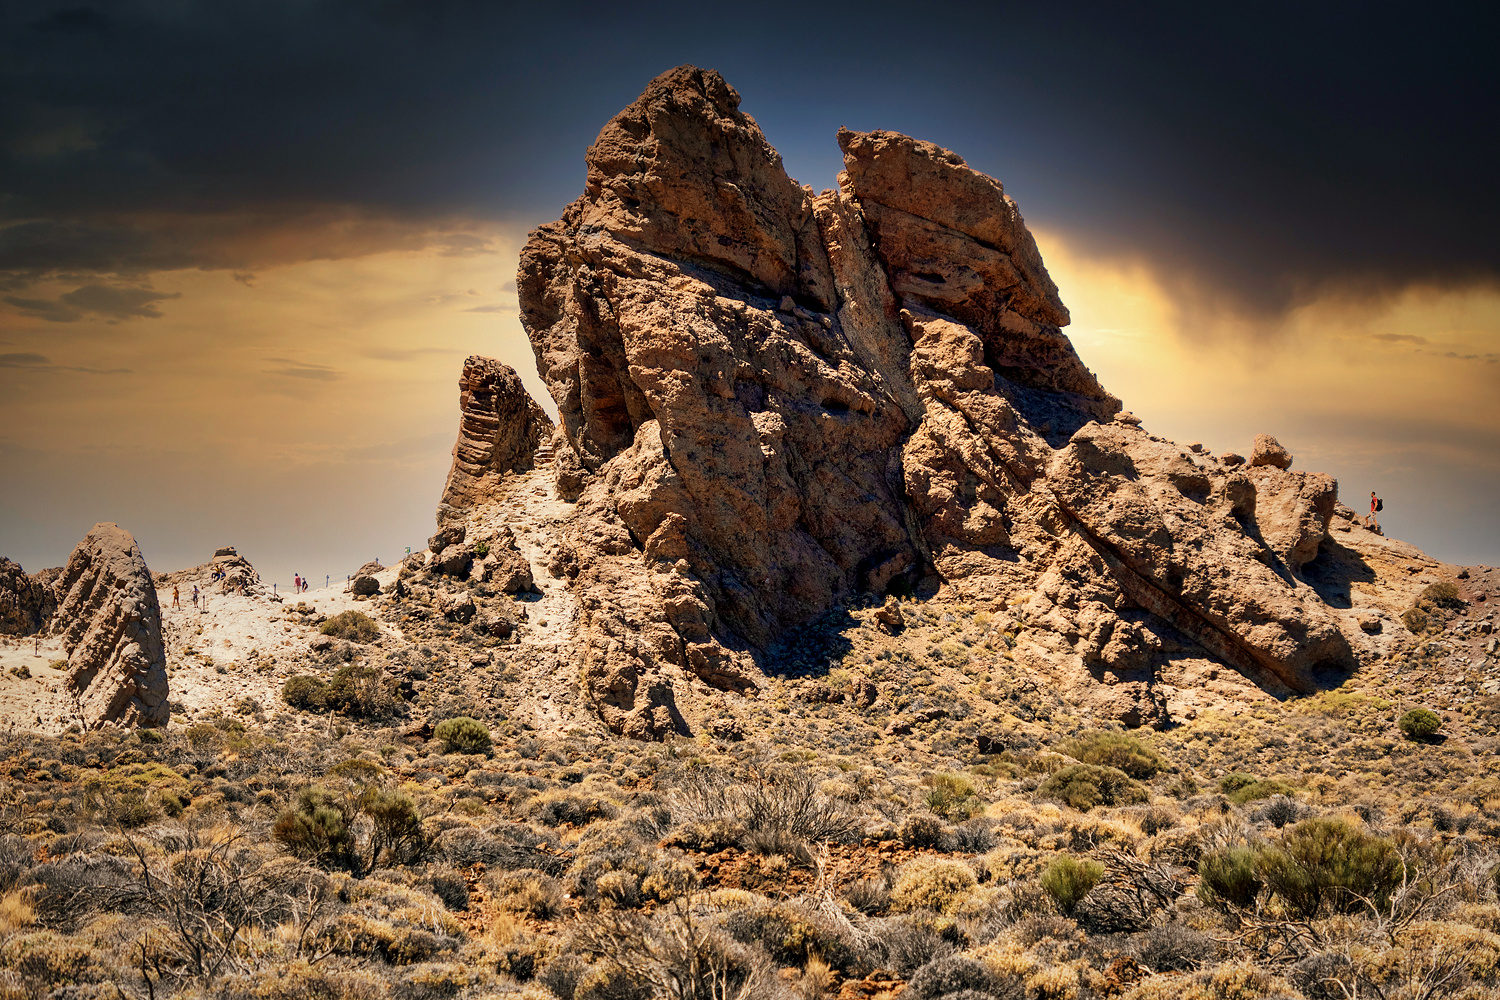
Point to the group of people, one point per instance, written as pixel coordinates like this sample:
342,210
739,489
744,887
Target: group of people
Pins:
299,584
177,596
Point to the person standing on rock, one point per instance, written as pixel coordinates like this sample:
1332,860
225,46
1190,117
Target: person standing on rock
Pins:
195,595
1375,506
176,597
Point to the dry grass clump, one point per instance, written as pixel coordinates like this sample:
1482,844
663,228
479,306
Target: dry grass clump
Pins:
1086,786
353,626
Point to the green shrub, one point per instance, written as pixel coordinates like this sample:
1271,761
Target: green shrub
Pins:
1420,724
1117,750
1415,620
305,691
355,626
316,828
1068,879
952,796
463,735
1443,594
1263,788
1228,877
1084,786
1329,862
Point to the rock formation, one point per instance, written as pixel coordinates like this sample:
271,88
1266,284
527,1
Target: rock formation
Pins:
500,428
110,623
773,401
26,602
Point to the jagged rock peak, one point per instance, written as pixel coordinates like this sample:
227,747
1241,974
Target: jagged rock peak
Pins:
500,428
110,624
26,602
772,401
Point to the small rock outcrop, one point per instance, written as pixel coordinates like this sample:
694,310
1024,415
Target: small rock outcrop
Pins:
1269,451
773,401
110,624
26,602
500,428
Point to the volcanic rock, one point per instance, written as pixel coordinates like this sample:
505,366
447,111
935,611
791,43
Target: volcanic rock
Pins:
773,400
110,624
1269,451
500,429
364,586
26,602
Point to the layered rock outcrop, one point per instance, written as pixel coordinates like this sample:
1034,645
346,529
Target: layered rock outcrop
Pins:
500,428
110,623
772,400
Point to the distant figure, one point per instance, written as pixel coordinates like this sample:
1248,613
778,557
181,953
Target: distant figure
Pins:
297,583
195,595
1376,505
176,597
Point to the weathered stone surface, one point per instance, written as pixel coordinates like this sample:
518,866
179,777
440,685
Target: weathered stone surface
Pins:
502,565
772,400
110,623
500,428
1269,451
364,585
26,602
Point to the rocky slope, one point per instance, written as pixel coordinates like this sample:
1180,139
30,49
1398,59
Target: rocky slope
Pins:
775,402
110,623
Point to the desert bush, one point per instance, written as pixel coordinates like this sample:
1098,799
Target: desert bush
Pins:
574,806
869,896
1329,862
362,692
1172,947
1068,879
45,961
975,837
905,944
1419,724
959,974
952,796
765,797
792,934
926,884
463,735
1228,877
1117,750
922,830
1084,786
305,691
449,886
1442,594
1279,810
1415,620
1327,976
355,832
561,976
353,626
301,980
527,892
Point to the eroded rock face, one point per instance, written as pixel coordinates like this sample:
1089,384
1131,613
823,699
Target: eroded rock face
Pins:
772,400
26,602
110,623
500,428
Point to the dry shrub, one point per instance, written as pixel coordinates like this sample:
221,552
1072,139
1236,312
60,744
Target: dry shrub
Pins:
932,884
301,980
1117,750
527,893
1067,880
1085,786
354,626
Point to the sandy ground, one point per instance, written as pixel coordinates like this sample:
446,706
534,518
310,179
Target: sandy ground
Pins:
235,647
528,505
37,702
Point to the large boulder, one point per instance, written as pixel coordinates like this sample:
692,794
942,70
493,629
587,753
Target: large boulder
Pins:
772,400
110,624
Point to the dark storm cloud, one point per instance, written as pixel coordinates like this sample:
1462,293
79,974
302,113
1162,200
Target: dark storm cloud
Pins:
107,301
1264,151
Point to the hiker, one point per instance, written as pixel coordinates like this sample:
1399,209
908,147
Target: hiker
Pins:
176,597
195,595
1376,506
297,583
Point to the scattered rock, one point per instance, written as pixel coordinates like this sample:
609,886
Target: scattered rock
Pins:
110,624
889,614
1371,624
1268,451
1231,459
369,569
364,586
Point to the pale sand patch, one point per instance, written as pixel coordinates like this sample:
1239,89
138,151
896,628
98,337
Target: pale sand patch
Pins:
39,702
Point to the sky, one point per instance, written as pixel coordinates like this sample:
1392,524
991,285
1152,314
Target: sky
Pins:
245,247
